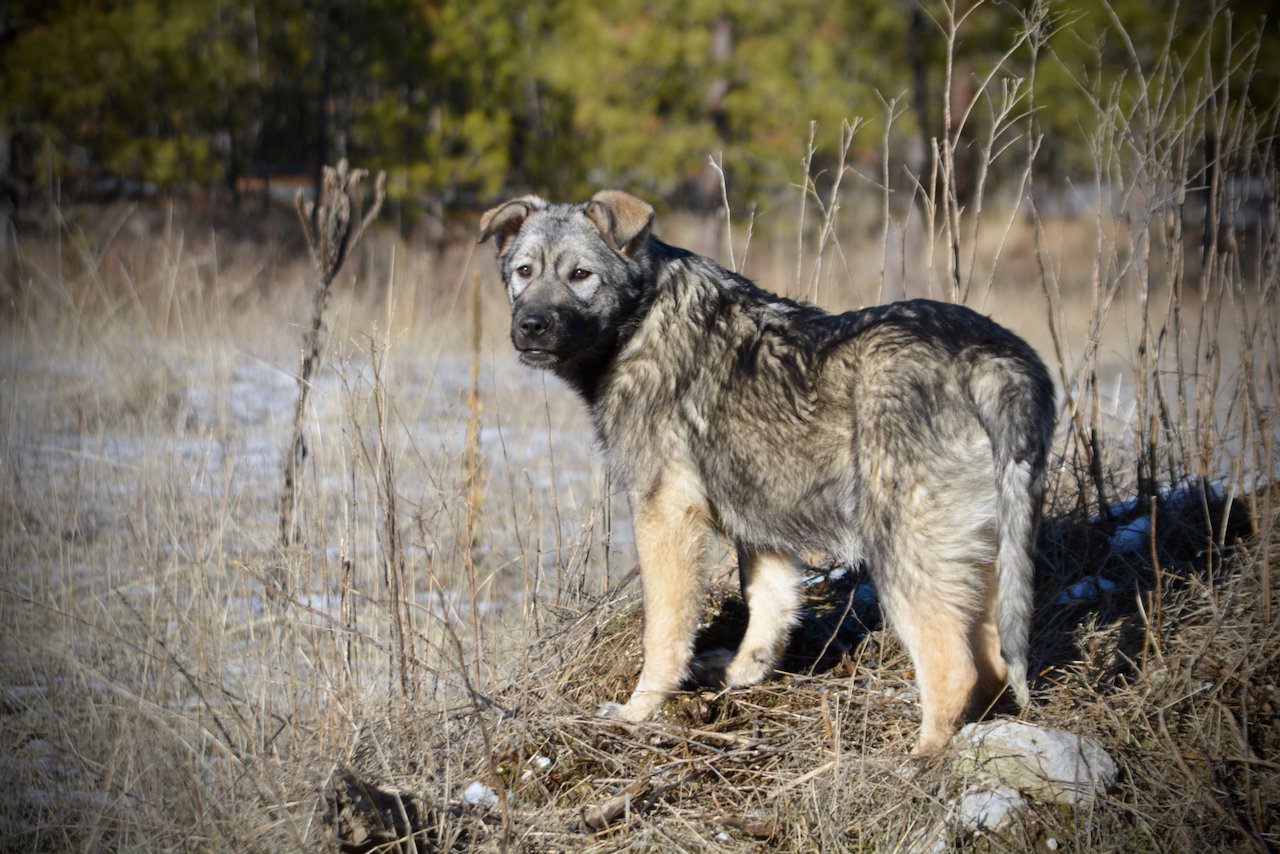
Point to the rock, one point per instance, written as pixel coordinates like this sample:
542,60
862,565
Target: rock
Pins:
988,808
1045,764
984,807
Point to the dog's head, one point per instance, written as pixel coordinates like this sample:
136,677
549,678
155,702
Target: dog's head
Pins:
575,275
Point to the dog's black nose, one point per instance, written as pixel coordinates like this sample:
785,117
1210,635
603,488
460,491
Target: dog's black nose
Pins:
533,326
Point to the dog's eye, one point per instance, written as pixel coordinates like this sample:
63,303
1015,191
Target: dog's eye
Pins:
524,271
579,275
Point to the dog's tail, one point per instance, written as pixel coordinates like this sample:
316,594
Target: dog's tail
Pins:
1014,396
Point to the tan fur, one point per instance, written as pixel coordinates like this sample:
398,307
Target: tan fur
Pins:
984,641
671,529
773,599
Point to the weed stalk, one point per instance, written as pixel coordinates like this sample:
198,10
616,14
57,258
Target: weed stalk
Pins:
327,229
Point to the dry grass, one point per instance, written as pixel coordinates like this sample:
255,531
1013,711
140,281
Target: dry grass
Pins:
161,691
462,591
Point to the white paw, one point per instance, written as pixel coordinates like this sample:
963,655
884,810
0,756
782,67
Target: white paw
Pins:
639,708
626,712
748,669
611,711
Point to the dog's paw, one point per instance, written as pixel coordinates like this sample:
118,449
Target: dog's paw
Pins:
633,711
748,668
610,711
624,712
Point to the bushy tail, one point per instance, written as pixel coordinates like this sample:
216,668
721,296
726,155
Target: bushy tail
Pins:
1019,420
1018,502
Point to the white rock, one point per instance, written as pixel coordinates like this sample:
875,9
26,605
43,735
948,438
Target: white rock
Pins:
988,808
1046,764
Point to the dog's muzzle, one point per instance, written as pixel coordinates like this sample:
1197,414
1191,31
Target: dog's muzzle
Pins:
534,334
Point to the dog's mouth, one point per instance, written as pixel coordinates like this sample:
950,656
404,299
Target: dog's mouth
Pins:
535,357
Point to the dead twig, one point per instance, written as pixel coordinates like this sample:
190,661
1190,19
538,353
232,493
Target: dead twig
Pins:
327,229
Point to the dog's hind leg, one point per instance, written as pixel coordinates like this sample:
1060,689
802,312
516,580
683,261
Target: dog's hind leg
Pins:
770,584
984,640
936,635
932,584
671,529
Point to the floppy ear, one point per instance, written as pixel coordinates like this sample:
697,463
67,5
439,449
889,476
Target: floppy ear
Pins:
503,222
624,221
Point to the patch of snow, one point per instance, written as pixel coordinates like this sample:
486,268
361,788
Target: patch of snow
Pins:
260,393
1172,495
1132,536
1121,508
324,602
542,763
1189,489
1087,589
478,794
906,694
825,575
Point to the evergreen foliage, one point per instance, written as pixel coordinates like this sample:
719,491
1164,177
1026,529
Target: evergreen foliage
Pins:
462,101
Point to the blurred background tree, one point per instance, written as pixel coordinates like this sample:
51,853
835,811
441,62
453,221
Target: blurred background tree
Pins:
462,101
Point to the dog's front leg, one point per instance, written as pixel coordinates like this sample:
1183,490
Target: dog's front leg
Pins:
671,527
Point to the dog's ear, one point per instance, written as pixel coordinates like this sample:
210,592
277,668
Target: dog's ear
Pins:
624,221
503,222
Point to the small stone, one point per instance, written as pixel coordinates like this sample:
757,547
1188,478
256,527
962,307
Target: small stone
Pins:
1046,764
988,808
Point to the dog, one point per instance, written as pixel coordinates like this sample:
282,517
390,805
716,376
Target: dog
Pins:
912,436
